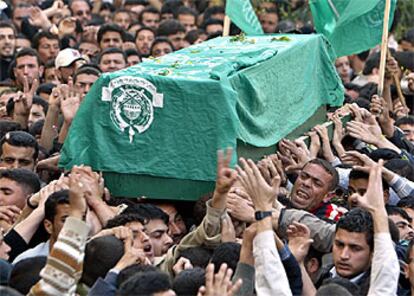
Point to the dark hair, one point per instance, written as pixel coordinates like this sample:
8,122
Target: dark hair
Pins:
360,221
171,6
27,51
383,153
9,291
211,21
43,34
146,283
87,69
37,100
193,35
110,51
131,52
396,211
159,40
189,281
170,27
144,29
339,287
101,254
131,270
405,120
200,208
394,232
409,36
356,174
372,62
46,87
109,28
401,167
20,139
313,253
198,256
8,126
328,168
213,10
406,202
123,219
6,24
36,129
128,37
148,212
27,179
26,273
50,64
184,10
149,9
57,198
226,253
135,2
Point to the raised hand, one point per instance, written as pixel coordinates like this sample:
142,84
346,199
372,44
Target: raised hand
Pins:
225,175
70,102
76,196
262,194
299,240
359,161
182,264
219,284
239,205
228,233
24,100
322,131
38,18
370,134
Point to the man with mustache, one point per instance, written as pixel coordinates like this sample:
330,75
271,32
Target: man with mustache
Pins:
7,47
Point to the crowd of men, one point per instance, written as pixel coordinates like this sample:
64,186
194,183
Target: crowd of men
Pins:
332,217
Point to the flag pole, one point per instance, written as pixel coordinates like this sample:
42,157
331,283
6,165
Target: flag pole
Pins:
226,26
384,47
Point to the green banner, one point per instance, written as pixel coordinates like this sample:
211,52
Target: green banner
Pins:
352,26
166,117
241,13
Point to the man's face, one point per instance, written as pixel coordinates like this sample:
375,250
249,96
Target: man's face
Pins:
62,212
151,20
12,194
167,16
176,226
4,247
17,157
19,14
177,40
343,68
408,130
311,187
161,49
36,113
188,21
89,49
404,227
133,60
22,43
122,19
111,39
351,253
158,233
141,239
410,213
144,41
48,49
214,28
84,82
7,42
406,46
27,66
112,62
269,22
360,186
81,11
52,75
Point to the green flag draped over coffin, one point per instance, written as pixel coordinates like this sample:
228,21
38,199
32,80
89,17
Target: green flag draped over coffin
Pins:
166,117
352,26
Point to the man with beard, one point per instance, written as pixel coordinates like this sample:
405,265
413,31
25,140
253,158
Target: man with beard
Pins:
7,47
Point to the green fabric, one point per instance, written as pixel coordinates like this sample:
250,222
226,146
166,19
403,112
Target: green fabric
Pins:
241,13
352,26
256,90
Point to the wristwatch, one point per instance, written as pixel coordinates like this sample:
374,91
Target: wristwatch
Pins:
260,215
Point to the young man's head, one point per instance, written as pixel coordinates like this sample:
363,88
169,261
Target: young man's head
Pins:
343,68
57,209
407,42
84,78
174,31
188,18
402,221
269,20
47,45
27,65
353,243
406,124
20,12
407,204
213,26
133,57
176,226
157,227
313,184
38,110
18,149
67,61
122,18
136,223
148,283
112,59
358,183
89,48
110,35
144,39
16,185
150,17
7,40
161,46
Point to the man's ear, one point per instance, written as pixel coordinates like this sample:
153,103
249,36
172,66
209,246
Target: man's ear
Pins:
312,266
48,226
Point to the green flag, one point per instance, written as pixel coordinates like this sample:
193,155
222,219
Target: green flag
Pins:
241,12
351,26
